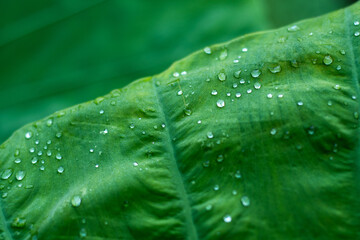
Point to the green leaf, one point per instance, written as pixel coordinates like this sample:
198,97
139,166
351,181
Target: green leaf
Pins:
54,54
257,140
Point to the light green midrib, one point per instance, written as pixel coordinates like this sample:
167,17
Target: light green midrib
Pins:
7,232
179,181
355,78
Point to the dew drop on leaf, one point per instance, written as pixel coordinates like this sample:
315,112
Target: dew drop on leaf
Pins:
60,170
220,103
20,175
223,54
76,201
220,158
293,28
255,73
28,135
245,201
273,131
222,76
237,74
275,69
207,50
214,92
227,218
237,174
216,187
6,174
257,85
180,92
238,95
327,60
356,23
210,135
206,163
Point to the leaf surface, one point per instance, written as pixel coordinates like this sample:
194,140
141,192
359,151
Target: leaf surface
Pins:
257,140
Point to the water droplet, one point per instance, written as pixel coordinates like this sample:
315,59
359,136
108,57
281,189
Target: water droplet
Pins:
223,54
249,91
34,160
237,174
269,95
91,150
135,164
338,67
293,28
18,222
58,135
42,168
183,73
273,131
20,175
300,103
235,85
208,207
176,74
280,95
207,50
237,74
76,201
187,112
234,192
242,81
257,85
180,92
220,103
294,63
311,130
337,87
17,160
222,76
60,170
199,122
356,34
342,52
228,94
356,23
327,60
206,163
275,69
255,73
210,135
28,135
214,92
82,233
238,95
101,112
353,97
6,174
227,218
245,201
220,158
48,153
356,115
244,50
49,122
236,61
132,126
216,187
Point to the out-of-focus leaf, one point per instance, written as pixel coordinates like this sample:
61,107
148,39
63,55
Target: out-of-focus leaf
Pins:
257,138
54,54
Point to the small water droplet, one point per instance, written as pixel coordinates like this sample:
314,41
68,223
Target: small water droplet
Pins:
208,207
199,122
269,95
17,160
228,94
210,135
238,95
356,34
220,158
327,60
214,92
42,168
356,115
28,135
220,103
280,95
82,233
91,150
342,52
275,69
222,76
311,130
273,131
244,50
180,92
293,28
183,73
300,103
76,201
132,126
338,67
34,160
135,164
187,112
227,218
294,63
249,91
237,74
216,187
49,122
356,23
245,201
237,174
235,85
20,175
206,163
101,112
176,74
223,54
18,222
58,135
207,50
60,170
337,87
242,81
234,192
255,73
257,85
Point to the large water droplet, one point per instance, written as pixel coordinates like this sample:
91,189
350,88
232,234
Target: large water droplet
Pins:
222,76
356,23
220,103
223,54
255,73
356,34
327,60
76,201
20,175
6,174
237,74
60,170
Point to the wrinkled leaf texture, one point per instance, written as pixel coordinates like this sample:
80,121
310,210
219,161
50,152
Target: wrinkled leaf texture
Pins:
159,159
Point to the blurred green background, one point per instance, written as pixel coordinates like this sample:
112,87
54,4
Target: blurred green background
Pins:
54,54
